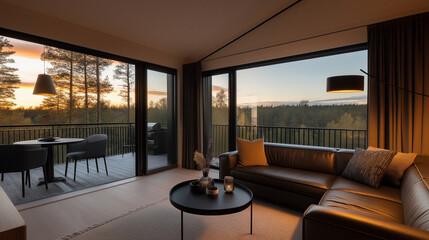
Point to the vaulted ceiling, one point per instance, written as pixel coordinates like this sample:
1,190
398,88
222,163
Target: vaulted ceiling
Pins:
185,28
191,29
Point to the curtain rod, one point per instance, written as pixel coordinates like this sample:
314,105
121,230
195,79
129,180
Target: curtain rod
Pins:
257,26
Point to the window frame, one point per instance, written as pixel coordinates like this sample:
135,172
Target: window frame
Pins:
140,85
232,71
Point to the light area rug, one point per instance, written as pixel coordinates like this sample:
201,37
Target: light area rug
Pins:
160,220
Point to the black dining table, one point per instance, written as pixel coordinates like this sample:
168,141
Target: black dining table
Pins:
50,161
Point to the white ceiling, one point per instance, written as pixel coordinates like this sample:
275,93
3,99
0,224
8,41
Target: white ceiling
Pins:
185,28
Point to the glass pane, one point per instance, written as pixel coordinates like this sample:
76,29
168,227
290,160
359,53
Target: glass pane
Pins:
159,123
94,96
220,106
288,103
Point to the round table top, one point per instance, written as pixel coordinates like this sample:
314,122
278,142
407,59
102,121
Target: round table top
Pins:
56,142
183,199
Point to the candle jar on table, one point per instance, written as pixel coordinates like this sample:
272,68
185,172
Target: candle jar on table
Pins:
228,184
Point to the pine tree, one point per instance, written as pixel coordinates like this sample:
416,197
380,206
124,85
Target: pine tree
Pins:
63,66
8,78
125,73
93,86
77,78
220,100
102,86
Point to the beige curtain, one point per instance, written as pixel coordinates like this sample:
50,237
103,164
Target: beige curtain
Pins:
398,61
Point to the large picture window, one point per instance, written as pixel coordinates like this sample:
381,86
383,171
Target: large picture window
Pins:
285,101
288,103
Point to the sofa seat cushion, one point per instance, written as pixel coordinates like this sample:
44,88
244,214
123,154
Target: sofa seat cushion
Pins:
363,205
294,180
389,193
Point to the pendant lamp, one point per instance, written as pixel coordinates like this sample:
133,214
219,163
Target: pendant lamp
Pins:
345,84
44,84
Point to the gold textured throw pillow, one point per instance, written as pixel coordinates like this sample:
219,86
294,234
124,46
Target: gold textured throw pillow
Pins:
400,162
251,153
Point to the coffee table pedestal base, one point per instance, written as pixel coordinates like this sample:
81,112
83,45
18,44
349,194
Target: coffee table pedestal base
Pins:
251,221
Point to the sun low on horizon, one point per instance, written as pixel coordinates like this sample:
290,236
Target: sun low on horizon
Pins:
28,62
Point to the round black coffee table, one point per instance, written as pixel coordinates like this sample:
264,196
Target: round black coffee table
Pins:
199,203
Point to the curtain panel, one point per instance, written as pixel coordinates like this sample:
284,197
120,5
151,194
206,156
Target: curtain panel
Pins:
398,57
192,98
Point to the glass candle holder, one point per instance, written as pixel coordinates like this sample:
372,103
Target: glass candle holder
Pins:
228,184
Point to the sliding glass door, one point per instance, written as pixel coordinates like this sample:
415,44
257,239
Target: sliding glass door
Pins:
161,127
216,115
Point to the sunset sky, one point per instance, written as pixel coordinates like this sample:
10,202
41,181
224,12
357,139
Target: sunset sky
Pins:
286,83
27,61
290,83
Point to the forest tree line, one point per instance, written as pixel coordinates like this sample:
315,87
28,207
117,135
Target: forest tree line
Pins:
303,115
347,116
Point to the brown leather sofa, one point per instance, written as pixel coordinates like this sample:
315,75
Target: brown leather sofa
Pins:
337,208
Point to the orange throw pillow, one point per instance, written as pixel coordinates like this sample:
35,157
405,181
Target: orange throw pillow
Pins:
251,153
400,162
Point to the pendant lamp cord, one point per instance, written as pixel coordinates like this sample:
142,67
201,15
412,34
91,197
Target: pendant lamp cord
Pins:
44,59
390,84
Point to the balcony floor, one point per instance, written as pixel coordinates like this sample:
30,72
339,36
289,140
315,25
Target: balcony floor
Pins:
119,168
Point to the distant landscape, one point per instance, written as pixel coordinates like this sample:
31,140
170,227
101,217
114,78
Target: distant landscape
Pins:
302,115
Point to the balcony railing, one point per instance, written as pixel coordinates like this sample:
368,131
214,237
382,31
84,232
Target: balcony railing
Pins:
124,133
326,137
118,134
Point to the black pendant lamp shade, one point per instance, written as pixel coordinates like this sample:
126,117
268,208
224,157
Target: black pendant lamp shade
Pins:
345,84
44,85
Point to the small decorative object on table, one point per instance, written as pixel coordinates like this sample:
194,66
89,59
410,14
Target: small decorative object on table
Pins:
212,191
204,164
228,184
195,186
47,139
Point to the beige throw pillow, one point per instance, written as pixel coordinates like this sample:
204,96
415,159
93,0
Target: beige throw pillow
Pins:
400,162
251,153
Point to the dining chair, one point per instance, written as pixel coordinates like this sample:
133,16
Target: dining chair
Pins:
93,146
22,158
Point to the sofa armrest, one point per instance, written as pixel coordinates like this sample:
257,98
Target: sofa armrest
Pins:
329,223
12,226
227,161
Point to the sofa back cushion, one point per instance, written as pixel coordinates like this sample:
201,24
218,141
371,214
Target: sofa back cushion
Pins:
415,194
317,159
343,157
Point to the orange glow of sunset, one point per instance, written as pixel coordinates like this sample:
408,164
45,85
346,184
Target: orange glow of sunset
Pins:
29,64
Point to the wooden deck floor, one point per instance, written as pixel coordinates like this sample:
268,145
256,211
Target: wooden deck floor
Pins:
119,168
